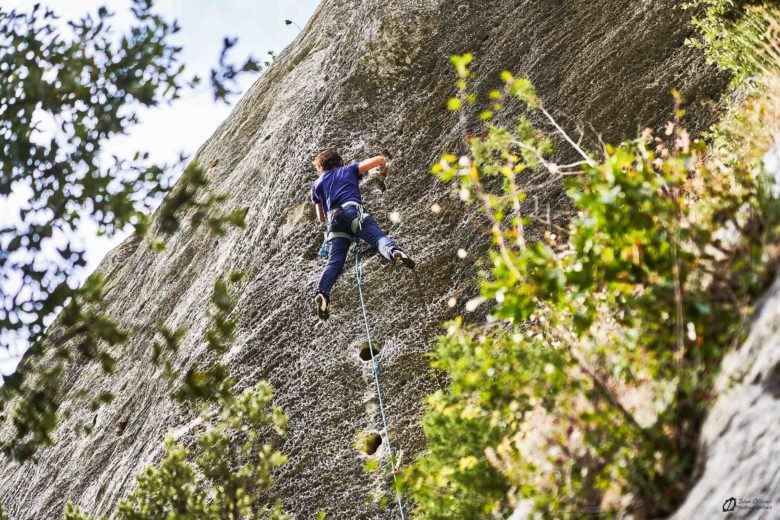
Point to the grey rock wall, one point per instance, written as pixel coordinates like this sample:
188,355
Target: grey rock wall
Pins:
367,77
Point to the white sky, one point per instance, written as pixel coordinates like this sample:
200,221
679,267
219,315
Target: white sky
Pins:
167,131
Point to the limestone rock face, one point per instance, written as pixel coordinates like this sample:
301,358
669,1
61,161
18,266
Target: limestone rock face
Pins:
365,77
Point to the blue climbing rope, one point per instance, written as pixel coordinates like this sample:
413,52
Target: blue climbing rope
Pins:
375,369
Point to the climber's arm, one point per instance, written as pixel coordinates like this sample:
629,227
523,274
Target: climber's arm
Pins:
369,164
320,213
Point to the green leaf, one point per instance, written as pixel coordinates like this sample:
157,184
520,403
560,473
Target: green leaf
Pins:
454,103
461,63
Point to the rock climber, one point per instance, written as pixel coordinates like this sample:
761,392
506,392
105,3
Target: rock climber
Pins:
336,195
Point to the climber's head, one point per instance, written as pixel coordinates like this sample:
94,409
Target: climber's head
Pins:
327,160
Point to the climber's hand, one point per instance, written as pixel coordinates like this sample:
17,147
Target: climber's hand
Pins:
374,162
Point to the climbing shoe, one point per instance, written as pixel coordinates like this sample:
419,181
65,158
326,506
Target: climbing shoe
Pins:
400,256
321,305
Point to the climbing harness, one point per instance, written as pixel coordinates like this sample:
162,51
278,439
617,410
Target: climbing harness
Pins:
394,465
354,225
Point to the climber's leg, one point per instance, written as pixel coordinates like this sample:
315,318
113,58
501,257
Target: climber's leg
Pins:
339,247
387,247
373,234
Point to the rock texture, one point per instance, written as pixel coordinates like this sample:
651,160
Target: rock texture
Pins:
367,77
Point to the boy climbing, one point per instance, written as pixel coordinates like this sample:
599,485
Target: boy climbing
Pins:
336,194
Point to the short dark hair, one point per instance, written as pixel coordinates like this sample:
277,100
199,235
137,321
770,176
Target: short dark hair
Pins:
327,160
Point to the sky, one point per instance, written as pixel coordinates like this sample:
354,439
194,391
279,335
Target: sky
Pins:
167,131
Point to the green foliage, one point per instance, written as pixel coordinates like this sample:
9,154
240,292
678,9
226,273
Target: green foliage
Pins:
92,334
731,33
73,512
222,476
587,388
65,91
453,479
223,473
213,383
87,82
209,380
2,514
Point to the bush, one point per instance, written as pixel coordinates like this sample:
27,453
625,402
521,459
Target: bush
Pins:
586,390
89,82
730,31
222,477
228,468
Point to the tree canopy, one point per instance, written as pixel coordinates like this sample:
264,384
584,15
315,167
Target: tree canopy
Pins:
67,89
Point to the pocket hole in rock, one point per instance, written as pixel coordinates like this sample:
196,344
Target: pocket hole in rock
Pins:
122,425
772,381
365,352
372,443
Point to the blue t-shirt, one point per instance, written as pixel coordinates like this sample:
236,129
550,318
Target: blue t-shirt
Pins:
336,187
